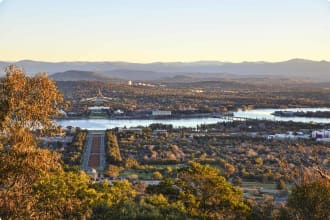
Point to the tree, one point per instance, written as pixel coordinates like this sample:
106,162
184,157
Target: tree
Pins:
157,175
112,149
112,199
73,153
237,181
27,104
149,207
131,163
167,188
259,161
64,195
229,169
281,185
169,170
311,200
206,194
167,210
112,171
21,165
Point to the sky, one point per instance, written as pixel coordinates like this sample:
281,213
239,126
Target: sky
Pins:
146,31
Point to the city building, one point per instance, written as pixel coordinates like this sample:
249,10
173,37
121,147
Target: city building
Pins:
320,134
98,100
97,104
161,113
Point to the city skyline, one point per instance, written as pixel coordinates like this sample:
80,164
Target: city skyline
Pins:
164,31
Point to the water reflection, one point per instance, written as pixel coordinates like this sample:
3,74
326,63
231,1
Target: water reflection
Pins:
102,124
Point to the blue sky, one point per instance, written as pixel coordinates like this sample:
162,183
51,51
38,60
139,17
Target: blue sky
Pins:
164,30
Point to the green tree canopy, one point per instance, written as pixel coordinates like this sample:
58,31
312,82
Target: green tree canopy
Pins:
64,195
204,193
112,149
207,194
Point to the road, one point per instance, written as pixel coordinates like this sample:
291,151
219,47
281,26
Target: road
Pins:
94,154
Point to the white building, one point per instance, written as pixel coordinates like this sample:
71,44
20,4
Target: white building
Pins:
321,134
98,100
98,109
161,113
119,112
289,135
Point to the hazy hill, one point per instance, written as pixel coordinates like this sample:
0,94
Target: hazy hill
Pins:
294,69
136,74
76,75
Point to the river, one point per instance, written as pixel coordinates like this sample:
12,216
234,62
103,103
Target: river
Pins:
103,124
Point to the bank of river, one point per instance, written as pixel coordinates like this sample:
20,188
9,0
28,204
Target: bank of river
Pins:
103,124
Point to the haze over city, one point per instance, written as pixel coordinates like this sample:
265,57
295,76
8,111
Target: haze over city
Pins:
149,31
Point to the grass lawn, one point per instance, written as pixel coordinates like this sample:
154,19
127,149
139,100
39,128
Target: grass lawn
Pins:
143,175
259,184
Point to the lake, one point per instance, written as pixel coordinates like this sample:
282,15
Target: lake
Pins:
103,124
267,115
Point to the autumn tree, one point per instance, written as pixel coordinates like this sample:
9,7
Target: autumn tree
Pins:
22,165
27,104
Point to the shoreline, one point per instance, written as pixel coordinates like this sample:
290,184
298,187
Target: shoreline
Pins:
173,117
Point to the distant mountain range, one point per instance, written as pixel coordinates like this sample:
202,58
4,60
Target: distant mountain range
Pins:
297,69
74,75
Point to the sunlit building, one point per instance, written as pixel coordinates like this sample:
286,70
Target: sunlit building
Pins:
98,105
98,100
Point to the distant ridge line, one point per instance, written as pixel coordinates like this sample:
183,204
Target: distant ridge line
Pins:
297,68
